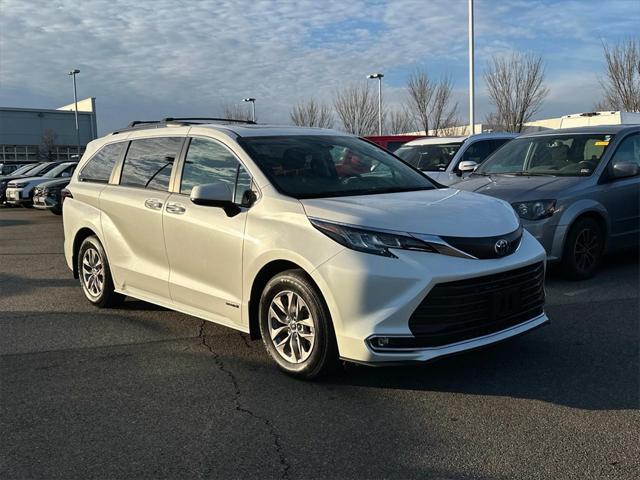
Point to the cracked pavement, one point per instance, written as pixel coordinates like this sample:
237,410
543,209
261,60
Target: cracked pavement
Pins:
144,392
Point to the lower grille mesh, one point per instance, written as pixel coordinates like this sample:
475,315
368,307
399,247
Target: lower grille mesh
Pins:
465,309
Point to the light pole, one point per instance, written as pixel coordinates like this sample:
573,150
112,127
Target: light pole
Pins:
73,73
472,123
379,77
253,107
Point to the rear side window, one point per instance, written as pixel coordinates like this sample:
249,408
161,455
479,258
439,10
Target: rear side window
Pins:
148,162
99,167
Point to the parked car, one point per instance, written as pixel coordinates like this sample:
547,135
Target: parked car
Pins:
20,191
7,168
18,173
446,159
252,227
48,195
392,142
576,190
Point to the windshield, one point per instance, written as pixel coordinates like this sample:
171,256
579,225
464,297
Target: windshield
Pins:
557,155
429,158
66,169
24,169
305,166
40,169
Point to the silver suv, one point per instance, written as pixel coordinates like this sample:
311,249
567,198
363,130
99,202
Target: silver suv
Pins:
576,190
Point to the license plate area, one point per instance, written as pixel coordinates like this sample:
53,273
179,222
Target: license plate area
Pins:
505,303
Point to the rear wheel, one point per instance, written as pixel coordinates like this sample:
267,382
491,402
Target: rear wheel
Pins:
296,326
95,275
583,249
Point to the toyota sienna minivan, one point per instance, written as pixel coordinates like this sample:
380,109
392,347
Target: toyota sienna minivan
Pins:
269,230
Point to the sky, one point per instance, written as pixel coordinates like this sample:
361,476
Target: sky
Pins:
153,59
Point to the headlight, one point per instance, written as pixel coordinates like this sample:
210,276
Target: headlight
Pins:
21,184
536,210
370,241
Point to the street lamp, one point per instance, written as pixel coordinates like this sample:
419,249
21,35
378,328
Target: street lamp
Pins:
253,107
73,73
379,77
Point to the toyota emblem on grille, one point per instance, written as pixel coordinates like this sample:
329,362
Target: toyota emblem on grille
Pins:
501,247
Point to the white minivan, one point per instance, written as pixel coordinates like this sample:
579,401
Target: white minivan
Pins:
269,230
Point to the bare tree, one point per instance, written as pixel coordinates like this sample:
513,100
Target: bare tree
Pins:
516,88
48,142
357,109
621,84
452,127
233,111
430,101
400,121
311,114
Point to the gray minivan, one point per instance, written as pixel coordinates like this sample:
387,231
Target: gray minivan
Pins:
576,190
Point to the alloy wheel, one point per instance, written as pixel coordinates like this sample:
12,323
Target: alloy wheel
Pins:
291,327
587,249
93,272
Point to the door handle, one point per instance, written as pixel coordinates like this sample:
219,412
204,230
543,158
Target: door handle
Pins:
153,203
176,208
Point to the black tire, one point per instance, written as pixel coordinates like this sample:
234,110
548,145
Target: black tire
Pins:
323,352
583,249
56,210
106,296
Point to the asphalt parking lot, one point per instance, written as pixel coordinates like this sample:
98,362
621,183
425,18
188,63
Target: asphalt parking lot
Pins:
144,392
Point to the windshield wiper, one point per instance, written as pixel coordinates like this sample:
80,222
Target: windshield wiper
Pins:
531,174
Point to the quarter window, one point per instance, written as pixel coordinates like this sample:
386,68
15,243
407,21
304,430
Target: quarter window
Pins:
148,162
629,150
98,168
208,161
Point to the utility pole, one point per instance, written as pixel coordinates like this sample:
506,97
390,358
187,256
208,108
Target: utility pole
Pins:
472,122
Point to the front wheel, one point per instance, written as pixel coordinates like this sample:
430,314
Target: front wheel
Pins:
95,274
583,249
296,327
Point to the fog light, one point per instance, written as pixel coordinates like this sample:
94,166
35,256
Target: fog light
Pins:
383,341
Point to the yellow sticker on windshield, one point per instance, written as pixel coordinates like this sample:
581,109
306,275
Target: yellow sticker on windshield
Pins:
601,143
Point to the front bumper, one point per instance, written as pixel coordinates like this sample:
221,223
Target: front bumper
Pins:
550,235
44,202
371,296
18,196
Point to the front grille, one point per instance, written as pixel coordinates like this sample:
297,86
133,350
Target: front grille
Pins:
487,247
465,309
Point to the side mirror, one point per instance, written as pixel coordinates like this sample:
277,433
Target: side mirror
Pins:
467,166
624,169
215,195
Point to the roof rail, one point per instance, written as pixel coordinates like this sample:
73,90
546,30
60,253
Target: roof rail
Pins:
199,119
141,124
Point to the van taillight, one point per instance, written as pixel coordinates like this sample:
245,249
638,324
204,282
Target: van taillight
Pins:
64,194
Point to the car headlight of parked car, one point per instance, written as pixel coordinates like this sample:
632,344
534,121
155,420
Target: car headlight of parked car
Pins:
20,184
370,241
536,210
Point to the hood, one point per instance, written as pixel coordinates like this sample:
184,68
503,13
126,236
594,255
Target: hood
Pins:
10,178
30,179
513,188
445,212
58,182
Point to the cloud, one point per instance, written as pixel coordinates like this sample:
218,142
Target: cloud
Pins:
150,58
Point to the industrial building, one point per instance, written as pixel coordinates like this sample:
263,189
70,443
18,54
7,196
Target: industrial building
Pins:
28,134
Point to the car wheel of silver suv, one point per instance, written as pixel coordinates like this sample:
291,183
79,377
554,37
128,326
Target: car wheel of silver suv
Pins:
95,275
296,326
